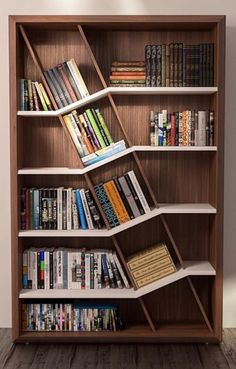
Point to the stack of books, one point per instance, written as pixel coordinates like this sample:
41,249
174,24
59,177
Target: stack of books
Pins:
63,268
58,208
72,317
128,74
91,136
66,83
33,96
151,264
122,199
179,65
186,128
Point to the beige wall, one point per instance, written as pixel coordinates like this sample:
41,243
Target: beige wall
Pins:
123,7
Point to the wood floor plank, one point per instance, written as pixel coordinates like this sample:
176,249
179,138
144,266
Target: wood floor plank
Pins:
228,347
5,345
127,356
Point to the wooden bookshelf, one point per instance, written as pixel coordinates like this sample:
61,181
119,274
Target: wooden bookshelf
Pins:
183,185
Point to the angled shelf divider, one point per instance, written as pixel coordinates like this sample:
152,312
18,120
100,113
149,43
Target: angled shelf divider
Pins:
202,172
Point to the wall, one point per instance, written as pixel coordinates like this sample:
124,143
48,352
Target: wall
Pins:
103,7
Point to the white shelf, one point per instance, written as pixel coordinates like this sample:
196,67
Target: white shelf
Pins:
200,268
79,171
163,209
122,91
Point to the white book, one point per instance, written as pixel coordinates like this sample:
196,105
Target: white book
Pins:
86,209
59,268
139,191
120,269
78,269
115,270
87,270
78,134
76,79
116,145
74,210
59,208
68,208
95,270
110,271
33,268
55,270
99,273
202,121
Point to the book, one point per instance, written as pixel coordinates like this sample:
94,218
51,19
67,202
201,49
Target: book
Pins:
116,201
95,128
139,191
81,210
129,196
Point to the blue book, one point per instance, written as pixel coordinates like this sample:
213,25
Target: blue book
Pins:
106,205
36,209
106,155
81,210
105,271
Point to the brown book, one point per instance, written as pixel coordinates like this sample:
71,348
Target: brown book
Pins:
128,69
83,132
146,256
116,201
67,83
128,78
128,64
128,73
167,65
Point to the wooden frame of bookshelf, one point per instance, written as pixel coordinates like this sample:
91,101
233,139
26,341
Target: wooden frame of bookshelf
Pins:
183,185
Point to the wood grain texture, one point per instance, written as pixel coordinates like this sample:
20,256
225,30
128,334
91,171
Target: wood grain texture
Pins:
164,176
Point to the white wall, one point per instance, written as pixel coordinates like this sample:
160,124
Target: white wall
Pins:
108,7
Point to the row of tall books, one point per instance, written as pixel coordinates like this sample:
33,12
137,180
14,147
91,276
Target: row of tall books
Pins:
73,317
91,136
128,74
122,199
58,208
151,264
179,65
66,83
33,96
186,128
67,268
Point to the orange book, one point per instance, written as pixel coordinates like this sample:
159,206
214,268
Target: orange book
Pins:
116,201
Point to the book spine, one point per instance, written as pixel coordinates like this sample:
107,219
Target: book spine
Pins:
120,269
158,65
86,209
104,126
211,128
152,267
74,137
105,271
92,133
35,97
75,220
134,194
155,276
81,80
87,270
81,210
100,127
64,209
63,93
65,269
153,66
92,270
116,202
30,92
171,65
93,210
106,205
25,270
176,64
39,92
78,134
23,209
71,81
51,269
110,271
163,65
26,95
139,191
55,88
148,53
22,94
202,128
36,208
117,277
129,196
167,66
68,208
67,84
45,96
46,270
123,197
88,133
95,128
180,65
85,138
76,78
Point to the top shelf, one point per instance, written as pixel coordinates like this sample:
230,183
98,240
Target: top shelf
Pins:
122,91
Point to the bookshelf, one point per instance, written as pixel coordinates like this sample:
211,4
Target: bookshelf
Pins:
183,185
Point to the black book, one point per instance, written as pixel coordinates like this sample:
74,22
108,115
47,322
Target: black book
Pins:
201,65
176,128
44,211
57,88
171,46
51,269
176,65
148,52
40,208
123,197
38,271
96,217
53,89
23,209
158,66
180,65
153,66
211,62
64,209
26,95
105,139
62,85
54,209
134,194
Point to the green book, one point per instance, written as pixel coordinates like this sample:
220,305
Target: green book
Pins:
95,128
104,126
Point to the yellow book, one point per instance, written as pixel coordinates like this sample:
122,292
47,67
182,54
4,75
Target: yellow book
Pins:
152,267
116,201
155,276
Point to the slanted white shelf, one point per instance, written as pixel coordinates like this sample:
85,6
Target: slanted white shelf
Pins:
163,209
199,268
122,91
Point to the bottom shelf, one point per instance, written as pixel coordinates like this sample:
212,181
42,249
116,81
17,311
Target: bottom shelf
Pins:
135,333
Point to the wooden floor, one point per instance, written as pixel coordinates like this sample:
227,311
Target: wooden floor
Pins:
59,356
